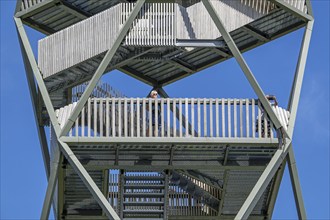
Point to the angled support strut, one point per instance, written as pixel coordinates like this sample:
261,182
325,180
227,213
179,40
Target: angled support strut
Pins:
245,68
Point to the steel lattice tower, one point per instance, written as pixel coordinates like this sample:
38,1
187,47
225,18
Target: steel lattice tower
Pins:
115,157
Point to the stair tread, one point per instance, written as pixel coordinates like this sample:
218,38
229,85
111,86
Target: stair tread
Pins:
149,211
146,203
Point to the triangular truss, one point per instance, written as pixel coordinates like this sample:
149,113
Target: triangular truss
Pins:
283,154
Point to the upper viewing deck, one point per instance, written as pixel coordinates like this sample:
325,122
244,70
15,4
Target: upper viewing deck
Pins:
167,41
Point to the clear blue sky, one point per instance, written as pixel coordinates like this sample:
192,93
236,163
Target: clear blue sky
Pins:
23,179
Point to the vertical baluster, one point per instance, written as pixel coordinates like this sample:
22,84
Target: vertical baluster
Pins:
229,117
101,117
132,117
138,117
83,122
162,113
199,117
144,108
113,118
150,117
223,119
156,118
89,117
120,119
174,117
180,117
125,125
211,117
259,119
205,118
107,118
168,117
265,125
95,116
186,117
192,103
235,118
253,119
247,105
241,117
217,117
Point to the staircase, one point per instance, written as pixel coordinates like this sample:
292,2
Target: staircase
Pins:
143,195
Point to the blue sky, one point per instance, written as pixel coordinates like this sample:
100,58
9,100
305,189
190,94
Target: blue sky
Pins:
23,179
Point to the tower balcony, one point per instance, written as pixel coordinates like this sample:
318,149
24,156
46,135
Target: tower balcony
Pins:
166,42
179,132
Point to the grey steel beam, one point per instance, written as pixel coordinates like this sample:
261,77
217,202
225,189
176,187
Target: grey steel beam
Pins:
74,10
279,156
221,52
298,78
263,182
274,191
100,70
172,140
246,70
293,107
296,185
137,75
176,63
255,33
37,74
34,97
292,169
199,43
49,106
88,181
51,186
293,10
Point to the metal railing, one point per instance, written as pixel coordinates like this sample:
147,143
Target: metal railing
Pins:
171,117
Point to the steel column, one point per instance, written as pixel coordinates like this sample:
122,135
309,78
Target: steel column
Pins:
245,68
296,185
100,70
298,79
50,109
279,156
34,97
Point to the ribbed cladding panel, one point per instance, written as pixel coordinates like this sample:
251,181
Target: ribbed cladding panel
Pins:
239,185
79,42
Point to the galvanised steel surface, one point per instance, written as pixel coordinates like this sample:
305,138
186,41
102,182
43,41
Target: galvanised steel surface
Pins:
242,173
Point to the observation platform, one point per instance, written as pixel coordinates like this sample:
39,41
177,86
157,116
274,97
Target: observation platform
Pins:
80,32
219,147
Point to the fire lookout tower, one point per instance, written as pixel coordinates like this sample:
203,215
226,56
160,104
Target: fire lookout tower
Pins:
115,157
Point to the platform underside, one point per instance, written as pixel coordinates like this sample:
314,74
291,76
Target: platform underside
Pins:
236,166
164,65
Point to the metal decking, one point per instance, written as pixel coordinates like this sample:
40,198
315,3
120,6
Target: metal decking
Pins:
159,158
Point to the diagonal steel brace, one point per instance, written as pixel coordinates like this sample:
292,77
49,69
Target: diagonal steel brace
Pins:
100,70
246,70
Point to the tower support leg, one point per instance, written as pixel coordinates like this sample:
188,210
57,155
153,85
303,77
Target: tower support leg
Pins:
279,156
34,98
296,185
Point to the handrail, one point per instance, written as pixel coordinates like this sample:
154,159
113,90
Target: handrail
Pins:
145,117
